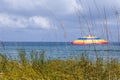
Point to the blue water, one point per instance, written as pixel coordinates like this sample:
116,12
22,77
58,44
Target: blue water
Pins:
62,50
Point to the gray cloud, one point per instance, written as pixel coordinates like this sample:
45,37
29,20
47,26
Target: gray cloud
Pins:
58,7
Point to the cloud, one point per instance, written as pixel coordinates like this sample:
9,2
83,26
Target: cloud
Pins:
97,7
12,21
39,21
57,6
7,21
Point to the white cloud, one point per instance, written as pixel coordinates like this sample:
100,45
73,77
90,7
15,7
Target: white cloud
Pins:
10,21
57,6
39,21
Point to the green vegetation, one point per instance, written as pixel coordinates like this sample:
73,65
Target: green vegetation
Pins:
37,68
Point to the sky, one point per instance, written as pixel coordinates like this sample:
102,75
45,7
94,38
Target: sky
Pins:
58,20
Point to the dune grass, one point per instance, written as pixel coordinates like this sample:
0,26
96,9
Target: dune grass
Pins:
37,68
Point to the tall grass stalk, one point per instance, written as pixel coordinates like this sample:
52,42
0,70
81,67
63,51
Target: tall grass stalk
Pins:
118,23
89,30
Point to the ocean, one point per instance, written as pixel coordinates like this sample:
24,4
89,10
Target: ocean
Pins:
62,50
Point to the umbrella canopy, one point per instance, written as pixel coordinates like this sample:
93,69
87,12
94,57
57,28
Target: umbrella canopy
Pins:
89,40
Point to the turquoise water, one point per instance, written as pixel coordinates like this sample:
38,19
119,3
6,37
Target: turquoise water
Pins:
62,50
